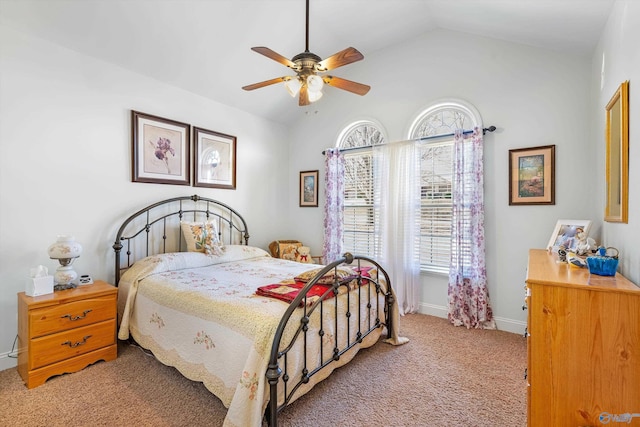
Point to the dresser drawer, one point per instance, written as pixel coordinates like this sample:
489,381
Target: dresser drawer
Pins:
67,344
59,318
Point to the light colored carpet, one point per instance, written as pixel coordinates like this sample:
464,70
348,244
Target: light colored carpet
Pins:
445,376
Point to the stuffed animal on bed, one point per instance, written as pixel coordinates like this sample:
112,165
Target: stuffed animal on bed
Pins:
303,254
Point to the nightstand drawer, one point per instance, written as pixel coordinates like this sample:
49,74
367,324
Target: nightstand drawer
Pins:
72,315
67,344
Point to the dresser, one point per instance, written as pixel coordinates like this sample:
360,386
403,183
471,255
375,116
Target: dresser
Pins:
583,346
65,331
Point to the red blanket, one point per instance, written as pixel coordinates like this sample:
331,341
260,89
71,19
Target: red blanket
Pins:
288,290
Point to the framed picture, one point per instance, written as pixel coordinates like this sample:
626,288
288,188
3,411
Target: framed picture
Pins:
160,150
565,233
309,189
214,159
532,176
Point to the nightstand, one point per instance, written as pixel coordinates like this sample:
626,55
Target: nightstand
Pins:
66,331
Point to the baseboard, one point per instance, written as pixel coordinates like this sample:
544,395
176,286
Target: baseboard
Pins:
502,323
511,325
7,362
433,310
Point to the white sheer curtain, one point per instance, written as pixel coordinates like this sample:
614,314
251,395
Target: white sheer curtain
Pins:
468,293
397,204
334,205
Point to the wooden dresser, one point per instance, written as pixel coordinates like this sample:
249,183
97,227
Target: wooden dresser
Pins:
583,346
65,331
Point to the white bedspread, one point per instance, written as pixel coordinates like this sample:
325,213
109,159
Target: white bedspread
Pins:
200,314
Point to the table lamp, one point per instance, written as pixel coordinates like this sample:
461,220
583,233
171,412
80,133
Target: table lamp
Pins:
65,250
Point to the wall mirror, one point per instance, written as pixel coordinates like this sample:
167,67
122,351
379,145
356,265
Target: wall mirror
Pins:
617,156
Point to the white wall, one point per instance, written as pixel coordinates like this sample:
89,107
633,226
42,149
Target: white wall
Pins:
621,51
65,160
533,96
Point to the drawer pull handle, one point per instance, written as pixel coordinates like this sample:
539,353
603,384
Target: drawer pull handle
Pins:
74,318
78,343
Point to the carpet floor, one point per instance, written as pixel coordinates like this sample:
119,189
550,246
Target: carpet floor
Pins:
445,376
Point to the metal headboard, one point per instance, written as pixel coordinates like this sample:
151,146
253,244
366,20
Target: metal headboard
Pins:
156,228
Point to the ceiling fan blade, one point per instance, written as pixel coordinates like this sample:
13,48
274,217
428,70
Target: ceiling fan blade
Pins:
274,55
304,96
344,57
265,83
348,85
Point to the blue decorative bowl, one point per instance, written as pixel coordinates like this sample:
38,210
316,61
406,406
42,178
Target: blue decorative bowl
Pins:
602,265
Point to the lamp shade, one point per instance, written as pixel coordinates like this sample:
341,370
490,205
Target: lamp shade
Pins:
293,86
315,83
314,96
65,250
65,247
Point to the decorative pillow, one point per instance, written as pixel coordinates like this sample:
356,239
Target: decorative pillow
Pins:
202,237
328,278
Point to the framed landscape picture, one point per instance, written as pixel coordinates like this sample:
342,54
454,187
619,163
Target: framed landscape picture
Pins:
532,176
309,189
160,150
214,159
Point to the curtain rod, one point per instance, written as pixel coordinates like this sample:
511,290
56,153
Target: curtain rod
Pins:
424,138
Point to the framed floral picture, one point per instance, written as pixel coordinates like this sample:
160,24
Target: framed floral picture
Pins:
160,150
309,189
214,159
532,176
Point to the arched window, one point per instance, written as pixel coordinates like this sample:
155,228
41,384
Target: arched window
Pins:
358,230
434,126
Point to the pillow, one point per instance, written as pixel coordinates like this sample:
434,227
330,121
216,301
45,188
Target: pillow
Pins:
202,237
328,278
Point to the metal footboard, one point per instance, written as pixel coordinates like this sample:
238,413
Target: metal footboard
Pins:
376,317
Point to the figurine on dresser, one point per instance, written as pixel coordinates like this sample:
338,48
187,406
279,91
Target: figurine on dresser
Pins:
585,245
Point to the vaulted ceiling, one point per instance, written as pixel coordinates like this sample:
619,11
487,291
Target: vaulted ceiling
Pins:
203,46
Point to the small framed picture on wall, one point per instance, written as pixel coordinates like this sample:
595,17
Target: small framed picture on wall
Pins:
309,189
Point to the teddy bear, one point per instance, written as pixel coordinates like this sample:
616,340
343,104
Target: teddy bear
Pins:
303,254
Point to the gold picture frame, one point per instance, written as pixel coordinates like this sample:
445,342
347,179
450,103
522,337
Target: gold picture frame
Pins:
617,156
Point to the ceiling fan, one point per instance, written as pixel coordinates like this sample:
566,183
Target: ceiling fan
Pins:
307,82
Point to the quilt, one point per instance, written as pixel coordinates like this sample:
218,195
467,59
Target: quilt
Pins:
200,313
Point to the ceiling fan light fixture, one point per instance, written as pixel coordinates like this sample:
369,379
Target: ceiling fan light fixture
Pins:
314,95
293,86
315,83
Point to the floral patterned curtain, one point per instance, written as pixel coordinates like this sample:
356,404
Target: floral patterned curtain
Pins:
468,294
334,205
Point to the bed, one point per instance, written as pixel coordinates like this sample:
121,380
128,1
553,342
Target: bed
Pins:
257,331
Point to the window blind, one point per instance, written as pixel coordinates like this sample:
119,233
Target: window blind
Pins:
436,170
358,204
